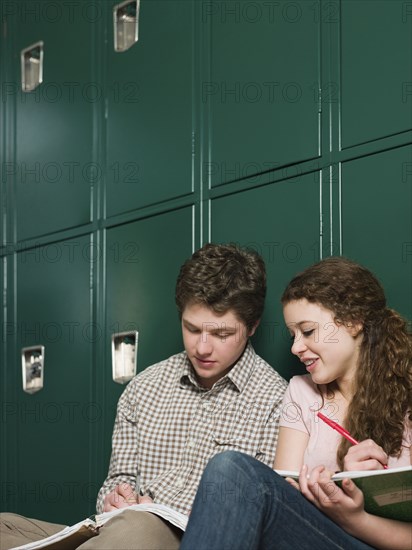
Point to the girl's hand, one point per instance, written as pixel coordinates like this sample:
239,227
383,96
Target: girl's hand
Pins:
343,506
367,455
292,482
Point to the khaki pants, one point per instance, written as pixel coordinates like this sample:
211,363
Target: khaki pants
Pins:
127,531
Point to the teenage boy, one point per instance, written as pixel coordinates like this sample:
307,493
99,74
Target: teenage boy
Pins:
173,417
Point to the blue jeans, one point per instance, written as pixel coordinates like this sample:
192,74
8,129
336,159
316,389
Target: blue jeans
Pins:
241,504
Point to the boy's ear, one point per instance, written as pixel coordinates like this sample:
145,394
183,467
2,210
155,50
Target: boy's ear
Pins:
253,329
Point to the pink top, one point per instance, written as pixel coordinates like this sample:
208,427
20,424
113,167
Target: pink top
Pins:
299,410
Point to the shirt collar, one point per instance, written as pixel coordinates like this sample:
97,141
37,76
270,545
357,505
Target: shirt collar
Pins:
238,375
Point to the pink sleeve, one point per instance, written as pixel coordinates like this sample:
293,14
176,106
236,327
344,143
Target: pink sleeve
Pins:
301,403
406,442
295,405
407,434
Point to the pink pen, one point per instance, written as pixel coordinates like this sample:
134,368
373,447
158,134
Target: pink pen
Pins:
341,430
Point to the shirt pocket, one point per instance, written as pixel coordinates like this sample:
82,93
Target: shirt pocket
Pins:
240,430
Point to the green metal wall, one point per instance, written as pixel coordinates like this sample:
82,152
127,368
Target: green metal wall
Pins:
282,126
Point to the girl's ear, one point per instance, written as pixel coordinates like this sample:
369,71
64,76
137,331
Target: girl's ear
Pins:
354,328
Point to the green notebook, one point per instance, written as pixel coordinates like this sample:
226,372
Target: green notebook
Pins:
387,493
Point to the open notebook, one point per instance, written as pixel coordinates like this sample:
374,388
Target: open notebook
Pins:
74,535
387,493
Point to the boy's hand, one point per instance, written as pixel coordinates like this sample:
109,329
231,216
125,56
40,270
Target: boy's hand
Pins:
122,496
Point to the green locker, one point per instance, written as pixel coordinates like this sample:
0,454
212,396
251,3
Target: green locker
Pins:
380,185
261,93
54,427
376,71
4,387
150,108
53,168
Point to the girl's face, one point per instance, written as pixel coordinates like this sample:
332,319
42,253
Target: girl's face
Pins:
329,351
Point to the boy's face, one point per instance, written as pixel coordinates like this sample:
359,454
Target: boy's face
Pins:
212,342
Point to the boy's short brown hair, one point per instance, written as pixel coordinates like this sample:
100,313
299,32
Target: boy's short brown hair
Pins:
224,277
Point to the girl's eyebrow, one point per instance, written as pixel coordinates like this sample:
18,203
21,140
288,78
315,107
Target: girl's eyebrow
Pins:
291,326
294,324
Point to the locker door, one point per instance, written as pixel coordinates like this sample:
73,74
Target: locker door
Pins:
150,103
376,220
55,426
261,96
376,45
53,169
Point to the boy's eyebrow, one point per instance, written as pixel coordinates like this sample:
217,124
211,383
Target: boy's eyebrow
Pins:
188,323
226,329
210,326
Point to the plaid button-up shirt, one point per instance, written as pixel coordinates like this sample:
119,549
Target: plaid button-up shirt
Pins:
168,426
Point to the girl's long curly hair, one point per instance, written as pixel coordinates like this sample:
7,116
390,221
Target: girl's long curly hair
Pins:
382,387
